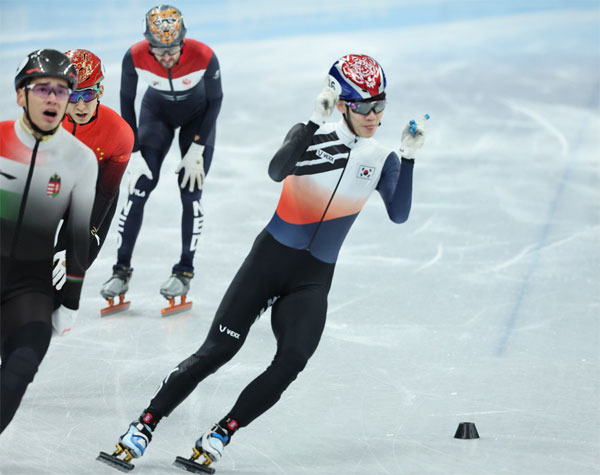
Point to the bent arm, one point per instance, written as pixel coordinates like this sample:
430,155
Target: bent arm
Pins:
295,144
395,187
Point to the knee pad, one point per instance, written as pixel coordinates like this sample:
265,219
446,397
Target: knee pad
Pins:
211,357
34,335
144,187
15,375
20,368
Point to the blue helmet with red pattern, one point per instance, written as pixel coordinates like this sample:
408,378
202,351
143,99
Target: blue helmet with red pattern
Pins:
357,77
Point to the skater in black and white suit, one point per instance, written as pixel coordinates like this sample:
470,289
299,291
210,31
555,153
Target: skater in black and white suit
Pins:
329,171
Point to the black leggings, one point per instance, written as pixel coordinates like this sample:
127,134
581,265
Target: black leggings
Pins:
156,132
296,285
25,328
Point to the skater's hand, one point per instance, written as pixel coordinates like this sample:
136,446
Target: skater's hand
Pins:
59,272
324,105
193,166
413,137
137,167
63,319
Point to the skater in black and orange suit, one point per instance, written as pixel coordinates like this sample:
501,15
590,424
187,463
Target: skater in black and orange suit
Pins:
329,170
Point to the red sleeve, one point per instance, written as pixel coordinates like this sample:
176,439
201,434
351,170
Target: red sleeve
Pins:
112,162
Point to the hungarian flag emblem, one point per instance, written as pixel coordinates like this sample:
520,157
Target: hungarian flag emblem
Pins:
53,188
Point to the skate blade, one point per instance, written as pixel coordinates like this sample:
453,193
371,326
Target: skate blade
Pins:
115,307
191,466
115,462
175,307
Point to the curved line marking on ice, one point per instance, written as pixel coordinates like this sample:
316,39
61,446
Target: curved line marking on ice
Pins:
433,260
543,122
514,259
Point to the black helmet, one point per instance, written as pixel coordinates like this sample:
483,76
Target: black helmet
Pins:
46,63
164,26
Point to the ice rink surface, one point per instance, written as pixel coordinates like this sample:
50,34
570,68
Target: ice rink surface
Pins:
483,307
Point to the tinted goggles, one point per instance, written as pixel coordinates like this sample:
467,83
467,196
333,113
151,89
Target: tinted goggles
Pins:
87,95
365,108
160,51
44,90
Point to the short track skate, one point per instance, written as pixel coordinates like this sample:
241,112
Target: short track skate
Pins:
174,307
122,464
193,464
113,307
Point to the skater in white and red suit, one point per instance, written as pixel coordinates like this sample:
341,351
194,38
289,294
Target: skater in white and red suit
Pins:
184,92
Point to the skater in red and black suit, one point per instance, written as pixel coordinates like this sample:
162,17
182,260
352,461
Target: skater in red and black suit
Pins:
184,92
44,173
111,139
329,170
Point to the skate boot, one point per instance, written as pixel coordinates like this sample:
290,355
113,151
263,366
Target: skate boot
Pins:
117,285
132,444
209,448
177,285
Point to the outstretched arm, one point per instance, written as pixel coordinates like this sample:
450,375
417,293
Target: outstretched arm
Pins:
110,176
78,232
129,80
205,134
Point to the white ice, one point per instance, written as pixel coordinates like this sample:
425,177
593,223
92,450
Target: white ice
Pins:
483,307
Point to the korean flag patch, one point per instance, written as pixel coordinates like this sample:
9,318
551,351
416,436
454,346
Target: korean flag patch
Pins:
365,172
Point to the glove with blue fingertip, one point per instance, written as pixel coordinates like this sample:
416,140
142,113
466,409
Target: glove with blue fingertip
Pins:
413,137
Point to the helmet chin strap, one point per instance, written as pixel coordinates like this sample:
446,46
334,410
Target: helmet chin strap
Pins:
347,120
32,124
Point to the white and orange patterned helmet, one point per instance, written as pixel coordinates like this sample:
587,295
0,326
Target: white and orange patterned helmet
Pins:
164,26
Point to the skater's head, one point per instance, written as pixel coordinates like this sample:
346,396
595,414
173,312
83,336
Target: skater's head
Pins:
165,32
360,83
83,101
44,81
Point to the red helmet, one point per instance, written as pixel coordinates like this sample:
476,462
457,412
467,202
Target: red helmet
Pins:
88,66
